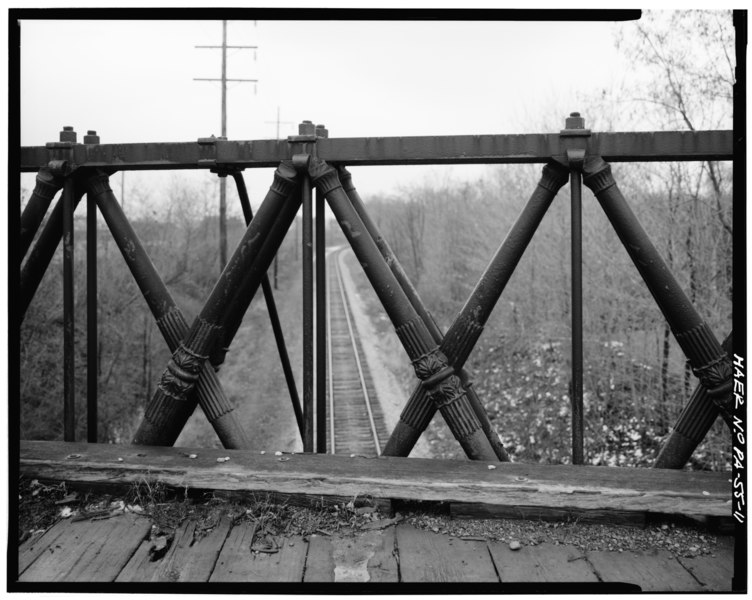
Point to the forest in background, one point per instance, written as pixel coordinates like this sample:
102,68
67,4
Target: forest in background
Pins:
444,233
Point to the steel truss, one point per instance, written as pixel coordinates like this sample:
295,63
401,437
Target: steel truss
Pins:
311,160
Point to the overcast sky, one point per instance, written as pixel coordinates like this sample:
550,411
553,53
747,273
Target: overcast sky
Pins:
133,81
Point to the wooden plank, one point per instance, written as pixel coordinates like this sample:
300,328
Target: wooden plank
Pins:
32,548
369,556
433,557
90,551
319,565
239,563
713,572
637,146
193,560
546,563
140,567
655,571
566,487
382,566
235,553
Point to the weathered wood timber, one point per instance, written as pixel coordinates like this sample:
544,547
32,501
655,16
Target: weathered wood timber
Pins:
84,551
574,489
640,146
655,571
191,559
119,549
714,574
431,557
546,563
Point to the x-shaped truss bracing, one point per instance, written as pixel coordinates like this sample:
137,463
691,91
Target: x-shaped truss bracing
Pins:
438,359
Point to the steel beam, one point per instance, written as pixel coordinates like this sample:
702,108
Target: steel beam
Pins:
92,331
208,153
321,331
47,185
69,347
308,334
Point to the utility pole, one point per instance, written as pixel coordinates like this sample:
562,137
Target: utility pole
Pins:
223,179
276,256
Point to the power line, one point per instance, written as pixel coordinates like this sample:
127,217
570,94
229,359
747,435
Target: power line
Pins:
222,181
278,122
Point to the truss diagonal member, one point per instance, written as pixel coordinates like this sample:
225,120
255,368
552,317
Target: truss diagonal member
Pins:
272,309
708,360
242,296
169,318
171,404
692,426
431,366
47,185
414,298
41,254
463,334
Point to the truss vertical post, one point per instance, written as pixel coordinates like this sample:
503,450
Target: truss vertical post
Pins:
578,453
708,360
92,333
574,137
271,306
321,363
429,362
69,347
308,366
48,183
412,295
461,337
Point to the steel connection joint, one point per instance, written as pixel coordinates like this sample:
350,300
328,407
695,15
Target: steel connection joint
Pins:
323,175
574,140
301,161
597,174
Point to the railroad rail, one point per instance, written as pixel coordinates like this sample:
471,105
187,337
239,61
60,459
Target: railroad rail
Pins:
356,424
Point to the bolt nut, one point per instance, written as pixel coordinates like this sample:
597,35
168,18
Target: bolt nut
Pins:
307,128
91,137
322,131
67,134
575,121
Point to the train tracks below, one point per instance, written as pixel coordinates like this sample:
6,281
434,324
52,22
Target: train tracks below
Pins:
354,418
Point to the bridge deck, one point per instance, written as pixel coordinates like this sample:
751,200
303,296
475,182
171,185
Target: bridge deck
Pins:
119,549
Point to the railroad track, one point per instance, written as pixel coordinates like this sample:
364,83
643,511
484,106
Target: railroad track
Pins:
355,421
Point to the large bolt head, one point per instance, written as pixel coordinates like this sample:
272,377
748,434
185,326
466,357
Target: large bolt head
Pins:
322,131
67,134
575,121
91,137
307,128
